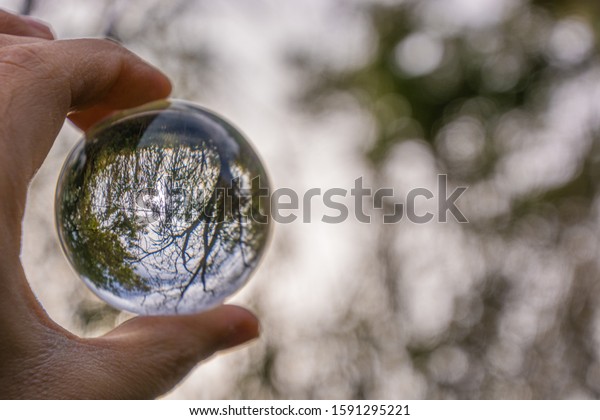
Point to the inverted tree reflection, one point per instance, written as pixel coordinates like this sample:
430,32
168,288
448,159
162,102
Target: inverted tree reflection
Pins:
159,211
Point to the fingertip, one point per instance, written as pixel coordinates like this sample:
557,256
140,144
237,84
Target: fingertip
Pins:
158,85
230,325
217,329
244,326
42,29
164,87
24,26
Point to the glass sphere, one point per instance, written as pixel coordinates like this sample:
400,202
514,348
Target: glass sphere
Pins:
163,209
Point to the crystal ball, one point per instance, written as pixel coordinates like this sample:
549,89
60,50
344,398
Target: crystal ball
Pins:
163,209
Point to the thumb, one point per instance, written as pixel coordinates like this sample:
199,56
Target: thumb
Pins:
152,354
42,81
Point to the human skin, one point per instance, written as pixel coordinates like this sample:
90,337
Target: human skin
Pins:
41,81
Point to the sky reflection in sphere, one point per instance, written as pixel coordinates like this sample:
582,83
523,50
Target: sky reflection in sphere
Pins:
163,209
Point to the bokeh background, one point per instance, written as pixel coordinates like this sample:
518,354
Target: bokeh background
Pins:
501,95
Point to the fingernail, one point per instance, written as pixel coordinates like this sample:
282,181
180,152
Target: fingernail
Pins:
36,24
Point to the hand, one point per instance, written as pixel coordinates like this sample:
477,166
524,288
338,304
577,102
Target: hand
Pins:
41,80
